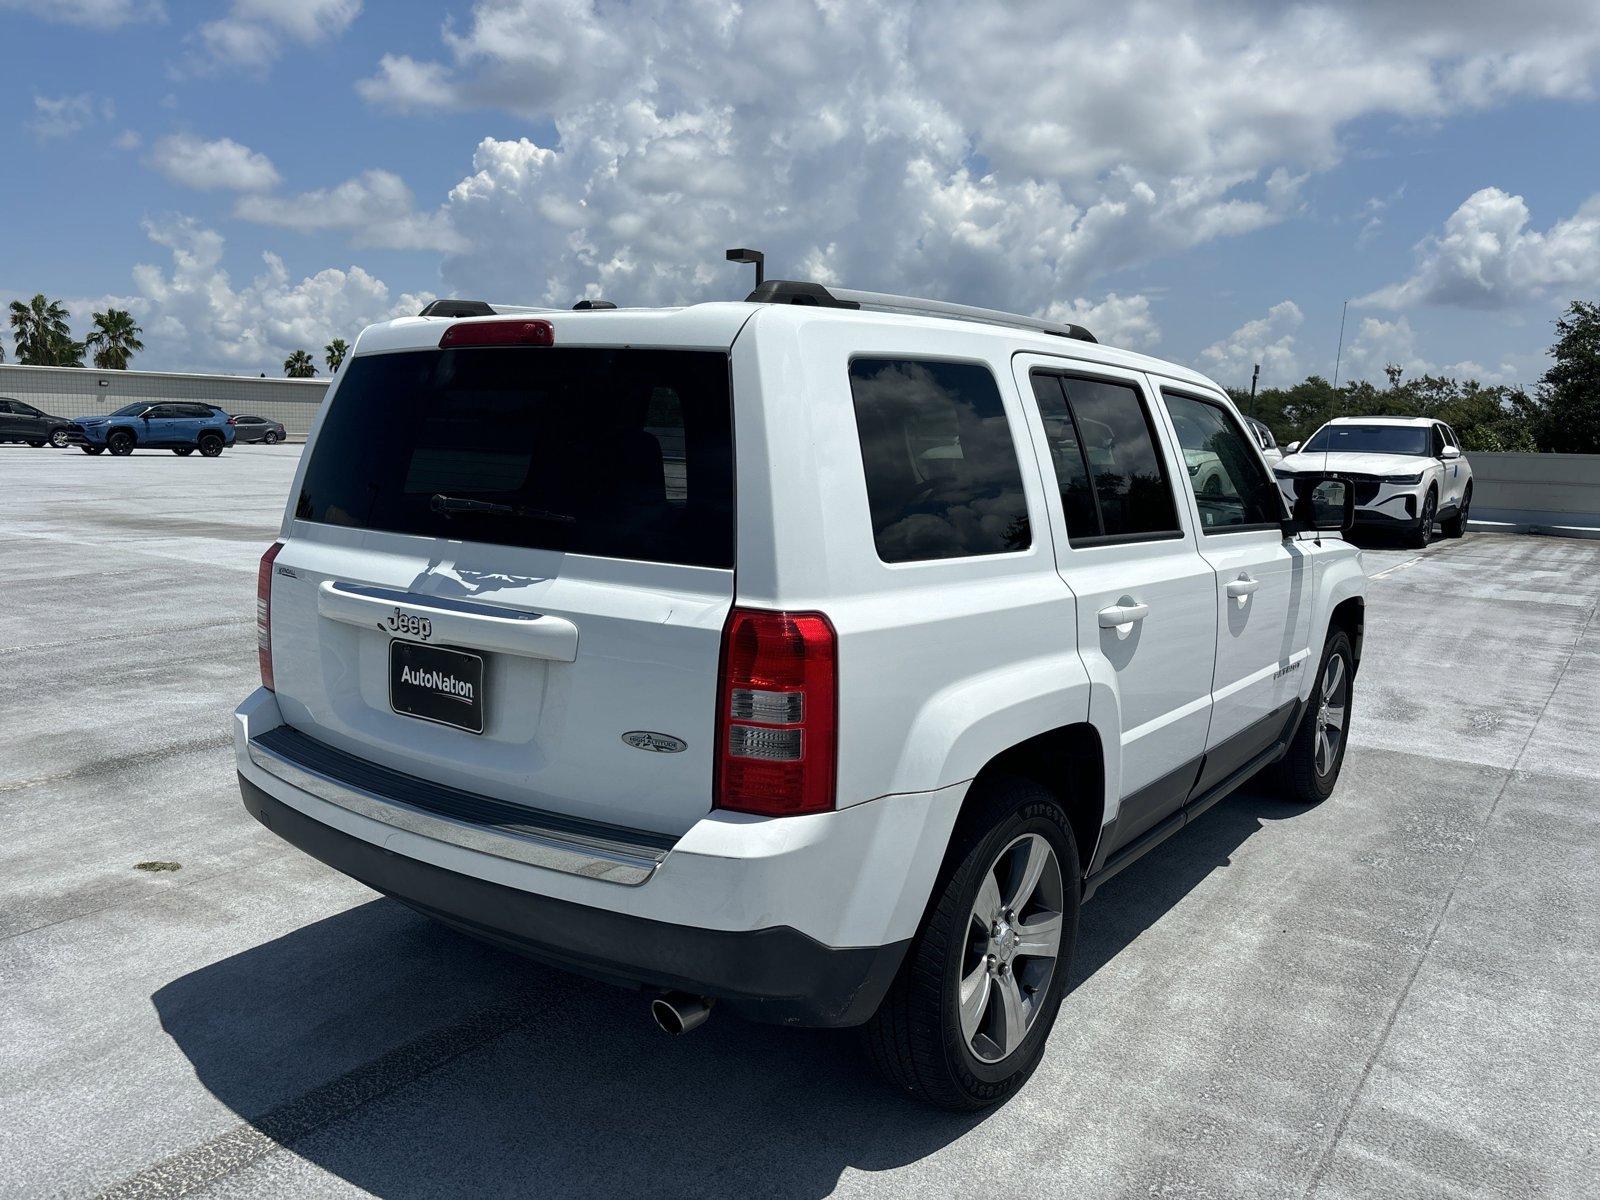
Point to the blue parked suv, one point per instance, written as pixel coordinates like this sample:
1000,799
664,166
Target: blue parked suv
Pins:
181,428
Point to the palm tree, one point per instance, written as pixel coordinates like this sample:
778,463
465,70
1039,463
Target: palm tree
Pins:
44,339
335,352
115,339
299,365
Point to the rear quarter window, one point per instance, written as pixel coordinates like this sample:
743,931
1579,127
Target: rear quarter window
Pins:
941,466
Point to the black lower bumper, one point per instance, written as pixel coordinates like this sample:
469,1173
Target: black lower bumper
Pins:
777,975
1368,518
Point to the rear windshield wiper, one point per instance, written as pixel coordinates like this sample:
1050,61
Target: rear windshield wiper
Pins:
450,505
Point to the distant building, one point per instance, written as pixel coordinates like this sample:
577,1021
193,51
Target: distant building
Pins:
87,391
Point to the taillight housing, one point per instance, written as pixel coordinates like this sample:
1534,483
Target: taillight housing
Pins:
777,713
264,614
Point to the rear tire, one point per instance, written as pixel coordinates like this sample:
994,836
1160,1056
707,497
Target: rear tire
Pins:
270,438
183,451
919,1040
210,445
120,443
1309,770
1456,526
91,449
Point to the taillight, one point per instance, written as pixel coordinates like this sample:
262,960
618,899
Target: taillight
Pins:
264,614
777,713
233,420
520,332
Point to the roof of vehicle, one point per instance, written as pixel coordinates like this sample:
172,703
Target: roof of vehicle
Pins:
714,325
1419,422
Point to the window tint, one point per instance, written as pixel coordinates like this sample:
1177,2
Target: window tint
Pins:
6,406
203,411
1436,442
1066,454
615,453
941,467
1130,482
1230,486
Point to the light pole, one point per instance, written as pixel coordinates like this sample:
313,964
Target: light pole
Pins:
741,255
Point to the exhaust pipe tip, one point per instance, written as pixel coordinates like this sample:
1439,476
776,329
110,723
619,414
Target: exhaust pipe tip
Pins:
678,1012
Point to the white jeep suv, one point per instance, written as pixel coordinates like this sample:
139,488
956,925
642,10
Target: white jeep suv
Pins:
1408,472
797,655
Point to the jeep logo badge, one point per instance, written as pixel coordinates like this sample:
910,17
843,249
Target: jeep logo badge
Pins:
656,743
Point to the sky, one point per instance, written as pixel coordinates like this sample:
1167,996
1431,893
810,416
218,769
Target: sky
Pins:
1208,182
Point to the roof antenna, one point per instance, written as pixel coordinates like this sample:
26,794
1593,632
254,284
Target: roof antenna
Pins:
740,255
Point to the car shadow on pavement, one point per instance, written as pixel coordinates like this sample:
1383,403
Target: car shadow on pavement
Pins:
409,1060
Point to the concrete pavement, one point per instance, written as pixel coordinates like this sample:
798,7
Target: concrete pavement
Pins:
1392,994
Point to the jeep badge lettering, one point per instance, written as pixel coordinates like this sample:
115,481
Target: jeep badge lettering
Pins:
411,625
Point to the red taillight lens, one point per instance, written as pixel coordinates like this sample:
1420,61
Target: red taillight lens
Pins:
264,614
233,420
499,333
777,713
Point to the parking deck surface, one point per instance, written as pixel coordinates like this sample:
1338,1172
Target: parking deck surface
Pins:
1393,994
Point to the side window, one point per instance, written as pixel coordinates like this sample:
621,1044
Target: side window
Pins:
941,467
1131,490
5,407
1066,454
1230,487
663,421
1438,441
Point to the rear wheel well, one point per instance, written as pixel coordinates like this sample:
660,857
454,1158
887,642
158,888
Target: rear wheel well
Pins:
1070,762
1351,616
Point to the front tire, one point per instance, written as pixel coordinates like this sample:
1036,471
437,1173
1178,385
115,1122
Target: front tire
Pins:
1417,539
966,1020
1309,769
58,439
210,445
120,443
1456,526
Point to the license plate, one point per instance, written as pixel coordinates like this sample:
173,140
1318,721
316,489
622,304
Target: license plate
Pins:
435,684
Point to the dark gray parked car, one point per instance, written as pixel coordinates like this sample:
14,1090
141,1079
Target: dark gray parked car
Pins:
22,422
259,429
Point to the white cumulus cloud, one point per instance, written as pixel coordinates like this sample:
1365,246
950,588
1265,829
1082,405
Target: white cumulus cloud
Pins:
221,163
252,33
196,318
1268,340
376,208
1487,257
95,14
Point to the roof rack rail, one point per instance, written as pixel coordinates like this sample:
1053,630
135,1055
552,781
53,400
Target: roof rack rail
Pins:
788,291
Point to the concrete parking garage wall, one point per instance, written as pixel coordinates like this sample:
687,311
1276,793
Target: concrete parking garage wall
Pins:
1537,492
87,392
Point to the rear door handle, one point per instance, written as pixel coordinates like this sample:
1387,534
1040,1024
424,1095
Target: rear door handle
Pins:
1123,614
1243,586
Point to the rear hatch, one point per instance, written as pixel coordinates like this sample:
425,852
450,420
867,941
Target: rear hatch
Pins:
508,571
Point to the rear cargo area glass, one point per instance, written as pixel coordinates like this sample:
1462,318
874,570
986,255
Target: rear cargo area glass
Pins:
608,452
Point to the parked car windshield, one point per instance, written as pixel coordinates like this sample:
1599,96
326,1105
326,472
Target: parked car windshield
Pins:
615,453
1369,439
131,410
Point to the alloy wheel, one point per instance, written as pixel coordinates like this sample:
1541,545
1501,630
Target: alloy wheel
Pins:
1013,944
1332,711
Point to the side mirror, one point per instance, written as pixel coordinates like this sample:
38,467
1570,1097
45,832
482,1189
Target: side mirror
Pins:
1291,447
1450,452
1322,504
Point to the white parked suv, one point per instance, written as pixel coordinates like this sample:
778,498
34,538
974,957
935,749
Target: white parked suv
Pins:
1408,472
807,657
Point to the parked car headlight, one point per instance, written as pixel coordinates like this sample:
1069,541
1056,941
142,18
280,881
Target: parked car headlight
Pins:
1417,478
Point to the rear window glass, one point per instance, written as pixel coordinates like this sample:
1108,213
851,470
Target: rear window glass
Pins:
613,453
941,467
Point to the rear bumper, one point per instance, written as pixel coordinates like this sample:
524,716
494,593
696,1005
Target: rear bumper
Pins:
798,920
777,974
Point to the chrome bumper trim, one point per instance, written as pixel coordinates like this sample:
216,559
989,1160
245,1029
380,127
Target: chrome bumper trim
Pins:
551,851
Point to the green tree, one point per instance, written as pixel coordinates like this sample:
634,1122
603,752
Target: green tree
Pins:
114,340
1569,422
299,365
43,337
335,352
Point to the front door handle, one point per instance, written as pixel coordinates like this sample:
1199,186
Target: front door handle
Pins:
1123,614
1242,587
